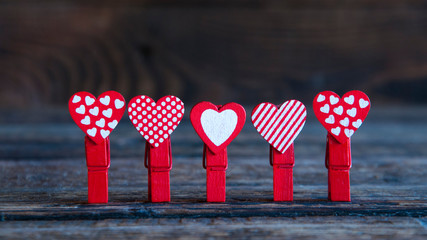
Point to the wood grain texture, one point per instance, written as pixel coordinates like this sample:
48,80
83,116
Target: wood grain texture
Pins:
246,51
43,189
228,228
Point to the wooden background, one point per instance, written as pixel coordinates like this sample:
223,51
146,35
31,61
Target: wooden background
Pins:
43,189
238,50
246,51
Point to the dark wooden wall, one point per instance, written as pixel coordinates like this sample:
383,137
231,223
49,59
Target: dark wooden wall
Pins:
240,50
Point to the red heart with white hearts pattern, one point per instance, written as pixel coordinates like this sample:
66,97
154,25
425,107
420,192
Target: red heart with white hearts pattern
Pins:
341,116
97,117
280,126
217,126
155,121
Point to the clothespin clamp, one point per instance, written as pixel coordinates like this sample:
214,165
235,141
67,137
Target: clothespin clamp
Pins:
98,163
156,122
338,163
97,117
217,126
280,125
341,117
216,165
283,165
158,161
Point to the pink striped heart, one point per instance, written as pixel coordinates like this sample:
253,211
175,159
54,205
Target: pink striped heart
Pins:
280,126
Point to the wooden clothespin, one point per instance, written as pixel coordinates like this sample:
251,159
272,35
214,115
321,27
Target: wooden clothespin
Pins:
97,118
156,122
341,117
158,161
98,163
217,126
280,126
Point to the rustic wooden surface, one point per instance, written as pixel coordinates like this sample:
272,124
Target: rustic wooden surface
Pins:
44,182
217,50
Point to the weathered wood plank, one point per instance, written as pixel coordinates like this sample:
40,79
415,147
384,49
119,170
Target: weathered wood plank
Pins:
44,183
56,190
388,175
224,228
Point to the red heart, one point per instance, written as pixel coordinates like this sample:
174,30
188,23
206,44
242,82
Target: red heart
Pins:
155,121
217,126
341,116
281,126
97,117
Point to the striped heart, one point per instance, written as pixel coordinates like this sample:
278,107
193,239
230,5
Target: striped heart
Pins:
280,126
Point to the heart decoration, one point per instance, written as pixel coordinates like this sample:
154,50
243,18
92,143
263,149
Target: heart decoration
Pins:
217,126
97,117
279,126
341,116
155,121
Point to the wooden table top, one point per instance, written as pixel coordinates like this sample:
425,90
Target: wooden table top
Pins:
44,182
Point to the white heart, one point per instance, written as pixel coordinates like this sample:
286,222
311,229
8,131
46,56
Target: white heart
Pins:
330,119
339,110
218,127
345,122
89,101
105,100
352,112
76,99
321,98
349,100
333,100
105,133
336,131
100,123
119,104
94,111
363,103
357,123
86,120
325,109
348,132
91,132
81,109
107,112
113,124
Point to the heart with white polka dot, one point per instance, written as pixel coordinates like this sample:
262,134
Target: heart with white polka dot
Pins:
97,117
155,121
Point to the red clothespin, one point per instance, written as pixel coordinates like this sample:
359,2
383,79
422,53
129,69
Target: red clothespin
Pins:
283,164
217,126
338,163
341,117
98,162
158,161
280,126
156,122
97,118
216,165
